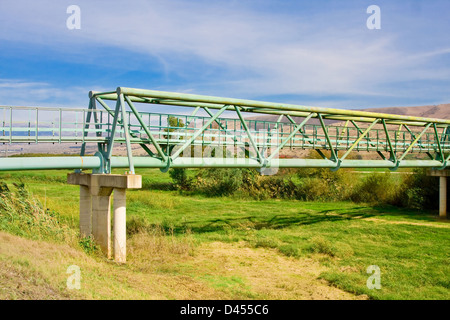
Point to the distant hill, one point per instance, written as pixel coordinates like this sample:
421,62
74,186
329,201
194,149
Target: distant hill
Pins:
441,111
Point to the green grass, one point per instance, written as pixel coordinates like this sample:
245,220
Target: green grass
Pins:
410,247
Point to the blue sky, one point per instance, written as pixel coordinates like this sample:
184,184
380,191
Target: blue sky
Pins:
317,53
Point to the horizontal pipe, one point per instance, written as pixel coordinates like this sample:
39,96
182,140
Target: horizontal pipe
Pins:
184,162
43,163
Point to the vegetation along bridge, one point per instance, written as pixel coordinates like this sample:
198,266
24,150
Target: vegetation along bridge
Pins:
205,131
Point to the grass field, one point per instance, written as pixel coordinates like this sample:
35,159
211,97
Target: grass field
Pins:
194,247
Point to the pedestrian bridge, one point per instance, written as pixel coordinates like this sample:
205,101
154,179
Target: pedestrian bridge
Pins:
205,131
230,133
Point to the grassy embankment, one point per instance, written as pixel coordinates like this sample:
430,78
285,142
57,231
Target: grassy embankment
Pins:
195,247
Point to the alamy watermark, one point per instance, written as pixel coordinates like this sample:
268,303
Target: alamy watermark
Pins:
73,22
374,20
74,280
374,281
222,151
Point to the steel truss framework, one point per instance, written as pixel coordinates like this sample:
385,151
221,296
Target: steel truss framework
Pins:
396,140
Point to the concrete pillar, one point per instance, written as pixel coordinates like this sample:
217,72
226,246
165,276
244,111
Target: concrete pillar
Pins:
95,208
443,197
119,223
85,211
101,226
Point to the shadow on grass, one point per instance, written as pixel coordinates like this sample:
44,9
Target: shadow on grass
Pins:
280,221
275,222
407,213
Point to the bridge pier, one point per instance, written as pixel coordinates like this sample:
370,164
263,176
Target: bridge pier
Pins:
442,174
443,197
95,209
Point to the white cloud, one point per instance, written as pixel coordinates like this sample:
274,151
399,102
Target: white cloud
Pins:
263,53
21,92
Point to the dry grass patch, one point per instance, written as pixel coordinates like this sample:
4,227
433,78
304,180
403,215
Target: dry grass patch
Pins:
247,273
100,279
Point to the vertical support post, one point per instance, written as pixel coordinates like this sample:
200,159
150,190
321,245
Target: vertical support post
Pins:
101,212
119,223
443,197
85,211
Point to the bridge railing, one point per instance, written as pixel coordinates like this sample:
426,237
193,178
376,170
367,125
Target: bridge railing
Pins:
258,131
35,125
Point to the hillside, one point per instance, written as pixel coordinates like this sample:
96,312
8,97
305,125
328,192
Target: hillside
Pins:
441,111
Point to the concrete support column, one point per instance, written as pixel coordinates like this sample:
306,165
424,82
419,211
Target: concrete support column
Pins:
101,212
95,208
85,211
443,197
120,229
442,174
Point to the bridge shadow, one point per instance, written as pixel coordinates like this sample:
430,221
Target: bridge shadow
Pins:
300,218
275,222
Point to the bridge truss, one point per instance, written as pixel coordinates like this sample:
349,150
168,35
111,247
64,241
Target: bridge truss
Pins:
230,133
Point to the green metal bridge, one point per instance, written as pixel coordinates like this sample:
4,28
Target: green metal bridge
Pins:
229,133
226,136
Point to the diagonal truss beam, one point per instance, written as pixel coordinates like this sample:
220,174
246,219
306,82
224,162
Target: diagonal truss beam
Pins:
196,134
112,113
252,141
292,134
327,137
147,131
414,142
359,139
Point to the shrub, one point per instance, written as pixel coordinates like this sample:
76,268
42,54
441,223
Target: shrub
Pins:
180,178
419,191
324,184
219,182
266,187
375,189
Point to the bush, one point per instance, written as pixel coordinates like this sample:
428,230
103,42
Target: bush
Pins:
180,178
419,191
219,182
324,184
266,187
416,191
375,189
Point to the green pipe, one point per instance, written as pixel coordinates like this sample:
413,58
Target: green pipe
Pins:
184,162
44,163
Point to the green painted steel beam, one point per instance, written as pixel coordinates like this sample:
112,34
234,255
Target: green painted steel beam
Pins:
262,110
184,97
